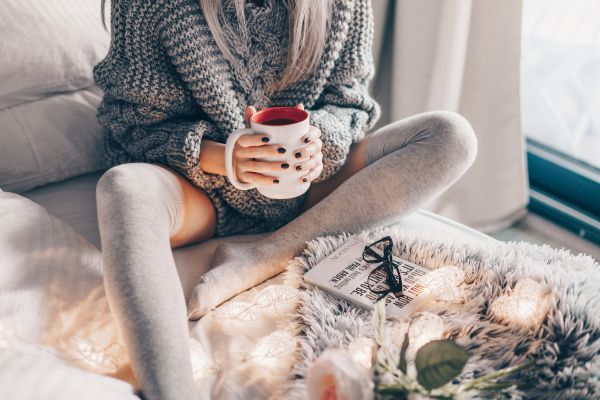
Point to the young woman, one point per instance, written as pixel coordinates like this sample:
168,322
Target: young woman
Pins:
179,77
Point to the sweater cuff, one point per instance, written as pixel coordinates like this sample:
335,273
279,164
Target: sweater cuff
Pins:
337,139
183,155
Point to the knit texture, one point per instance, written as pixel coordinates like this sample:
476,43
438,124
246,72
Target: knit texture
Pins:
167,85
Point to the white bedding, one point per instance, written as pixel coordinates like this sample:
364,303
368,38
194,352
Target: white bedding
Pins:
48,47
57,337
50,140
74,202
51,295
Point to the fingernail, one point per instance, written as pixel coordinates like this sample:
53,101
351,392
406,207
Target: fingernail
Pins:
265,139
304,179
298,155
306,140
275,180
281,150
298,167
285,165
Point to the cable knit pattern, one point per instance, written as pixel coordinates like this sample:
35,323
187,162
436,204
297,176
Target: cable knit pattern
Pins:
167,85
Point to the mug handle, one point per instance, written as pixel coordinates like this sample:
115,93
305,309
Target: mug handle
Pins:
229,159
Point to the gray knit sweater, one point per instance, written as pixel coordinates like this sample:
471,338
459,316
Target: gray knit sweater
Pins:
167,85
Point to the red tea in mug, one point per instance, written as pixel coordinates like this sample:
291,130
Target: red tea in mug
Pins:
280,121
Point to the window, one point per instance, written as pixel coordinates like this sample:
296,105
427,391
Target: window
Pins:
560,93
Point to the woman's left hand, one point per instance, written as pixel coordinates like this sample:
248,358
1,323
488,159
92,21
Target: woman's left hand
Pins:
309,158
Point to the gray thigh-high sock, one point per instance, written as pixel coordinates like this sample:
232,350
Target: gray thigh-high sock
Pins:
139,205
408,163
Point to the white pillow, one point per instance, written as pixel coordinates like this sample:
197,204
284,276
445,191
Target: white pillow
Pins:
50,140
48,47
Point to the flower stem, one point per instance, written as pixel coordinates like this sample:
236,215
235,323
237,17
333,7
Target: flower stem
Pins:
498,374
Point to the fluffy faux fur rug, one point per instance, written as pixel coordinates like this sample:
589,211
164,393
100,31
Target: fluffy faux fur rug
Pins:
566,344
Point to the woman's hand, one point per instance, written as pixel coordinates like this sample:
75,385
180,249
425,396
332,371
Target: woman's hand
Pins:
309,158
246,151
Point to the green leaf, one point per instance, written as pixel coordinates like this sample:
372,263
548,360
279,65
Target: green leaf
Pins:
438,362
394,392
402,364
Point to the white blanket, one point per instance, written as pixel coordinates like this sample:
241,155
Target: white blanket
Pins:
55,323
57,338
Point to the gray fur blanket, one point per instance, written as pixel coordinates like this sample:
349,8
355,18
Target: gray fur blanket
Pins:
566,344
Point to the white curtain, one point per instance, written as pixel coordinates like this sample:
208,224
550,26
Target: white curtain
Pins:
463,56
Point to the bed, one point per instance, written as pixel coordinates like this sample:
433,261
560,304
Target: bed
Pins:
57,337
41,359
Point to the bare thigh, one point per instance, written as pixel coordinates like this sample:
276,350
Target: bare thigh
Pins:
199,215
354,163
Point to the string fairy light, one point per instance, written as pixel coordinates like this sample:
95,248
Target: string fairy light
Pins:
83,349
272,348
525,306
444,283
423,329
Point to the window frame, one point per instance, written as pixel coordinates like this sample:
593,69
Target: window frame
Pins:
564,190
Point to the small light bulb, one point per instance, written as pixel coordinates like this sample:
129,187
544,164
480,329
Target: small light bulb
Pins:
83,349
525,306
273,347
424,329
274,295
444,283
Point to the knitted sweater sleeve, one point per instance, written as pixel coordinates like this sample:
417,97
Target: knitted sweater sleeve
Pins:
345,109
149,125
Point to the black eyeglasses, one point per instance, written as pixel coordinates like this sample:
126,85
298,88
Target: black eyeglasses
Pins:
387,270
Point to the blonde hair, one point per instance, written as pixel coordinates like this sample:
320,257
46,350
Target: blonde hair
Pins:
308,26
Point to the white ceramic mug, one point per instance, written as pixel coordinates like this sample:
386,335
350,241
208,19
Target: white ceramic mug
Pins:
284,126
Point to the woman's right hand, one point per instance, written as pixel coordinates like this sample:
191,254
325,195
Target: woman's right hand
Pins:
248,149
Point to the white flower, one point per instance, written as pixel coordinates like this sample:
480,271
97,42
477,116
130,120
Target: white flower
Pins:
363,351
335,376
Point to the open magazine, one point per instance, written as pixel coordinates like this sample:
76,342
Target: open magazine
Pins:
344,274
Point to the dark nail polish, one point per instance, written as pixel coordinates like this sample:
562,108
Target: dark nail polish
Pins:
304,179
285,165
281,150
306,140
265,139
298,167
298,155
275,180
